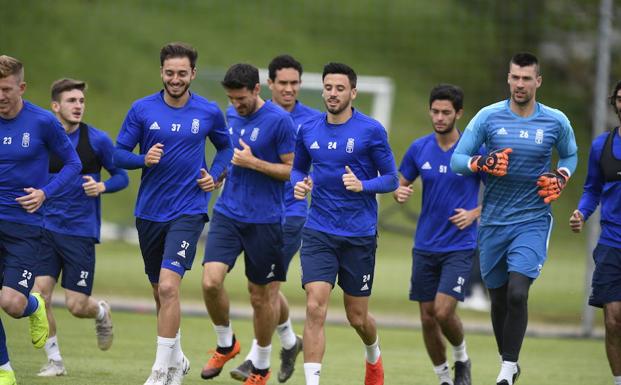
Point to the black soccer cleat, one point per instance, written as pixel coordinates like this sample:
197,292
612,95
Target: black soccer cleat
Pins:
242,372
462,373
287,360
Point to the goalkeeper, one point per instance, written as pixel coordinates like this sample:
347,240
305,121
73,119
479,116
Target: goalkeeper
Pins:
519,134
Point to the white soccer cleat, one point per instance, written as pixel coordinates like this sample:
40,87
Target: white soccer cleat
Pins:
157,377
176,373
52,369
104,328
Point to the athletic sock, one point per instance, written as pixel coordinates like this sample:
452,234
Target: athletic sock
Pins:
443,373
460,353
176,358
252,353
312,372
286,334
163,354
372,352
263,357
31,306
52,349
225,335
507,370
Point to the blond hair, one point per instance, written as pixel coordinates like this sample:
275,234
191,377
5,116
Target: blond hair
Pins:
11,66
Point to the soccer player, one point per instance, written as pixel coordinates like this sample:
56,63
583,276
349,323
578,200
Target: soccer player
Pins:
445,242
247,217
171,127
73,221
603,186
284,81
29,135
346,150
516,219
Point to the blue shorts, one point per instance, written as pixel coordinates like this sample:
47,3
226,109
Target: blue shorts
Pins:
74,255
261,243
434,273
292,237
519,247
606,283
325,256
20,246
169,245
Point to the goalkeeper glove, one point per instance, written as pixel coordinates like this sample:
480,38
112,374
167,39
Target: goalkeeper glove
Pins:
551,184
495,163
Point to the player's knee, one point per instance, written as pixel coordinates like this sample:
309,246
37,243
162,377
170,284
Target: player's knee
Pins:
211,286
13,305
356,318
444,314
612,322
167,291
316,310
517,298
77,306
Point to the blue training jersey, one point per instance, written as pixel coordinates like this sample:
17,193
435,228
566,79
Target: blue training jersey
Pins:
250,196
443,192
513,198
169,189
26,143
74,212
608,194
296,207
360,143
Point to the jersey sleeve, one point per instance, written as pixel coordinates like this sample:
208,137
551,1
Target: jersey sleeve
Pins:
220,138
105,151
469,143
59,143
594,182
131,130
301,159
566,146
408,167
285,137
384,160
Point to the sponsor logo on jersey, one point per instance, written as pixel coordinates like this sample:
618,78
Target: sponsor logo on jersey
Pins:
230,130
196,125
26,139
154,126
539,136
349,148
426,166
254,134
314,146
501,131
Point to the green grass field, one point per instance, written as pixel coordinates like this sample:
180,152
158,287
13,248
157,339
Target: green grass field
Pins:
544,361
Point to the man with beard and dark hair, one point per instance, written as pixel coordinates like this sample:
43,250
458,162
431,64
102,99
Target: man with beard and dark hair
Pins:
171,127
247,217
351,162
446,233
603,186
516,220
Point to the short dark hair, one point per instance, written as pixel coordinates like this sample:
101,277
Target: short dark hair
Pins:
340,68
240,76
10,66
525,59
448,92
613,96
283,61
178,50
64,85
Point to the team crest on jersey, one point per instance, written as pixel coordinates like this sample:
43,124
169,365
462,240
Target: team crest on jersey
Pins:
26,139
349,148
254,134
195,126
539,136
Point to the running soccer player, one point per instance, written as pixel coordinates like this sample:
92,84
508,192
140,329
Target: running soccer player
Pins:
171,127
519,134
72,223
29,135
247,217
603,186
446,233
284,81
346,150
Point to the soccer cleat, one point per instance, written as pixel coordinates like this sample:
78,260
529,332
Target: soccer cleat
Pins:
242,372
39,327
176,373
103,328
287,360
257,379
214,366
374,374
53,368
462,373
7,377
157,377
